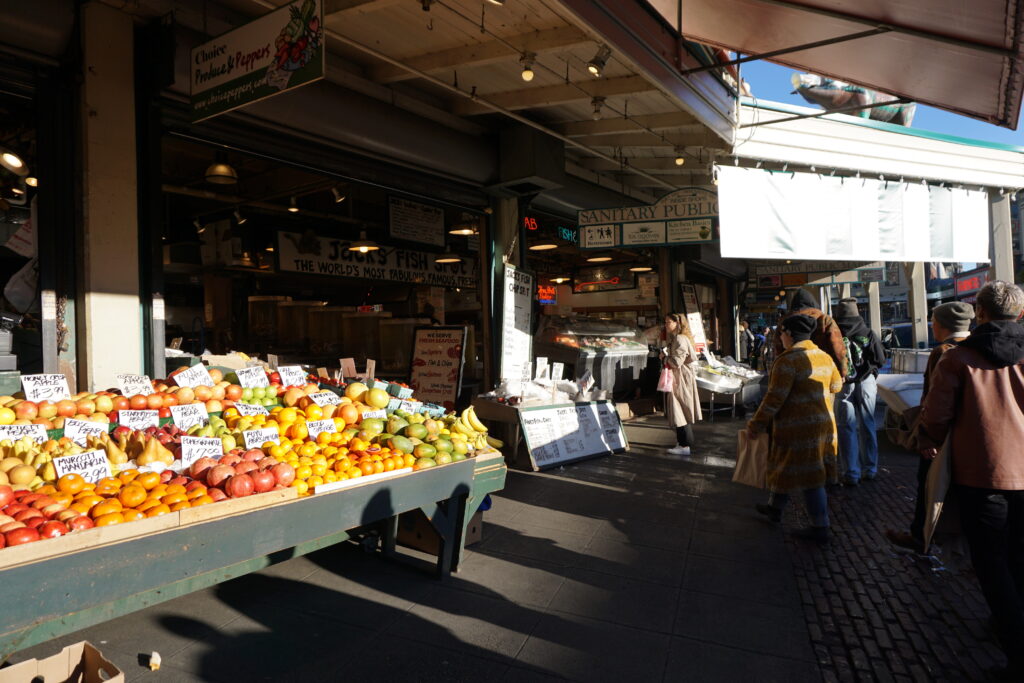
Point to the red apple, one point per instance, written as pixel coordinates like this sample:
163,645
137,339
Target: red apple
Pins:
166,476
35,522
47,409
26,410
80,522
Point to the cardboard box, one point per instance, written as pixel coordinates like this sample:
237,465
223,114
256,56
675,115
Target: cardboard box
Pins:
416,531
78,663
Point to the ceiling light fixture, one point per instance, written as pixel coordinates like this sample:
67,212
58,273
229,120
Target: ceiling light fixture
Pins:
527,61
641,269
239,218
363,245
599,259
338,195
560,280
596,65
200,228
543,246
292,206
32,181
466,226
448,257
499,3
680,160
270,249
597,103
220,172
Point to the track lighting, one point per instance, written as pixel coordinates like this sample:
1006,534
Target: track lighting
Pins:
239,218
200,228
680,160
527,61
292,206
363,245
220,172
12,162
597,103
596,65
338,195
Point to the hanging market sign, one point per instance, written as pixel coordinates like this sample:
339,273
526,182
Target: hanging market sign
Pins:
281,50
687,216
312,255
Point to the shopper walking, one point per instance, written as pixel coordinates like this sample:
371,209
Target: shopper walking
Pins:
855,404
976,399
682,404
826,334
798,407
950,325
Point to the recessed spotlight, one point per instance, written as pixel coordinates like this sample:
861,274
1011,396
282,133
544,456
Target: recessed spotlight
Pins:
596,65
338,195
292,206
599,259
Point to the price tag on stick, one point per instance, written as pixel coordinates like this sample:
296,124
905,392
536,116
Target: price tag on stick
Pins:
195,376
255,438
247,409
15,432
348,367
292,375
134,385
371,370
318,427
557,369
92,465
378,414
80,430
251,378
189,415
45,387
195,447
325,398
138,419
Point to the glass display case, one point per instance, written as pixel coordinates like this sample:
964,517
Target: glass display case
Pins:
614,353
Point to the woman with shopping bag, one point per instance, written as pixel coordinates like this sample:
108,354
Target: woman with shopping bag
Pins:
798,406
679,382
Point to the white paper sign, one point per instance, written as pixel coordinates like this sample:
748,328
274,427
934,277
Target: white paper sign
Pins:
543,369
250,378
190,415
247,409
79,430
135,385
586,381
379,414
517,312
14,432
255,438
292,375
317,427
138,419
557,370
92,465
195,376
348,367
195,447
325,398
45,387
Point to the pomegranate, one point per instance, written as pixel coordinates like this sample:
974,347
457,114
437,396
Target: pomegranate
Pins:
216,494
20,536
180,481
267,462
245,467
6,495
216,475
262,481
284,474
80,522
239,486
52,529
194,484
200,467
253,455
231,459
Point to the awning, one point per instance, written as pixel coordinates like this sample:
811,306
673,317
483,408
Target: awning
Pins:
966,57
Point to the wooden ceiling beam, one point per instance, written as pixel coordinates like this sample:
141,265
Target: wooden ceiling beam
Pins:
479,54
554,95
668,140
337,9
673,119
656,165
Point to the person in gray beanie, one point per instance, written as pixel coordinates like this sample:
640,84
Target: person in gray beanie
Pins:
951,324
855,404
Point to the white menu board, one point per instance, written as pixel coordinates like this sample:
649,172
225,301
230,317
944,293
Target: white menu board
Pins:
569,432
517,313
436,371
409,220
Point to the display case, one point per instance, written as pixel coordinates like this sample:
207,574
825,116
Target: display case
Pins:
614,353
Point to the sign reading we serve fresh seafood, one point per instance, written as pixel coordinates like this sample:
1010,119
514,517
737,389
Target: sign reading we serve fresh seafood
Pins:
283,49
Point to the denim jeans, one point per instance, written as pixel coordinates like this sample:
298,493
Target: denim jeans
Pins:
816,501
855,424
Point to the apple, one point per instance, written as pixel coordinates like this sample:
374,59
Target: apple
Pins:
214,406
35,522
166,476
104,404
26,410
52,529
67,516
47,409
86,406
80,522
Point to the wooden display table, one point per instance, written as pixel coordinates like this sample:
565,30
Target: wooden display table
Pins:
89,577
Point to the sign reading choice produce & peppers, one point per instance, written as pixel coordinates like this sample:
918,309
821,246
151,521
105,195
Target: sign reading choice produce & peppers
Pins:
282,49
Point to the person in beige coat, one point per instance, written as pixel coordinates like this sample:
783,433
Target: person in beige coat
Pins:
682,407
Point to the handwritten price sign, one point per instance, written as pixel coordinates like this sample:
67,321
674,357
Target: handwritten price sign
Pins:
292,375
45,387
380,414
79,430
135,385
190,415
251,378
15,432
325,398
195,376
195,447
318,427
255,438
138,419
247,409
92,465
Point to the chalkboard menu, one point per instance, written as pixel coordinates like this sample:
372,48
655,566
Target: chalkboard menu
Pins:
563,433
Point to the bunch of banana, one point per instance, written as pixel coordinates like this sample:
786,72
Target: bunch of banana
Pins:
469,425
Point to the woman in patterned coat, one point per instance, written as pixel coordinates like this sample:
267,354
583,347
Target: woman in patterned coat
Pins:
798,407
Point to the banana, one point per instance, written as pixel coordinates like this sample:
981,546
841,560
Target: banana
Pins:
460,427
494,443
474,421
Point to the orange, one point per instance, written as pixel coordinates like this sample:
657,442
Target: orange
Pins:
176,488
133,515
158,490
197,492
318,470
287,415
378,466
303,472
80,508
349,413
183,505
105,508
89,500
309,449
301,487
148,480
71,483
354,472
297,430
314,412
323,438
128,476
47,490
132,496
62,498
109,518
366,467
148,504
389,465
157,510
277,451
108,489
201,500
173,498
410,459
314,481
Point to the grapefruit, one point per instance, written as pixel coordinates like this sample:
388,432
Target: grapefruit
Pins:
355,391
377,398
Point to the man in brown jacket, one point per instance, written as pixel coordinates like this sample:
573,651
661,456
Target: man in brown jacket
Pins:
976,398
826,336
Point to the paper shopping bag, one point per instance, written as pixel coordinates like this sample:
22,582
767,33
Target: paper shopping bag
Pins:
751,459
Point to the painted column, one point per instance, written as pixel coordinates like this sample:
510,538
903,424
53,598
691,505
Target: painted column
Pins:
918,303
874,308
1000,237
110,320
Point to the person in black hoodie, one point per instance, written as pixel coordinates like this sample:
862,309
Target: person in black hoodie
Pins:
855,404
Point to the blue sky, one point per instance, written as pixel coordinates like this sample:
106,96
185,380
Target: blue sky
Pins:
771,82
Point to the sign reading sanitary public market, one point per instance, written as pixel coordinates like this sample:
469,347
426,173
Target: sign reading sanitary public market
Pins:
281,50
687,216
312,255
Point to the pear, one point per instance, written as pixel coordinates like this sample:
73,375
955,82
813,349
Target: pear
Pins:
114,453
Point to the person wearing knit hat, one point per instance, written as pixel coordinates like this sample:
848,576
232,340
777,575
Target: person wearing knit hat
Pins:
951,324
855,404
826,334
798,409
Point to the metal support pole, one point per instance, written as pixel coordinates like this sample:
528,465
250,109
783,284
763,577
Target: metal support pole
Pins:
874,308
918,303
1000,237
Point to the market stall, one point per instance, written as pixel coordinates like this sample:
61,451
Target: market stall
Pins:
613,353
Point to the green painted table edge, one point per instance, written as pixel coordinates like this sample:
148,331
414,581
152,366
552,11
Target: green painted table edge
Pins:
19,630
